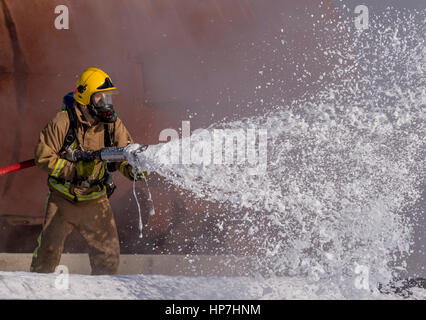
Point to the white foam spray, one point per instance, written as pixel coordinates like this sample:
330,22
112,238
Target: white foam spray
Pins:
343,164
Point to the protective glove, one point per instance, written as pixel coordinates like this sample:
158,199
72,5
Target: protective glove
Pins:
140,176
79,155
86,169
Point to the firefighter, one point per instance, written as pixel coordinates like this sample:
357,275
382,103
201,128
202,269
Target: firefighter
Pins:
79,184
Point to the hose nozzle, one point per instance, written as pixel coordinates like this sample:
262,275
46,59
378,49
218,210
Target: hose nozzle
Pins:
114,154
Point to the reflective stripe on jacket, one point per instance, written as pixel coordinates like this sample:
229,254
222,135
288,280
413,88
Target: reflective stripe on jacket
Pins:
91,138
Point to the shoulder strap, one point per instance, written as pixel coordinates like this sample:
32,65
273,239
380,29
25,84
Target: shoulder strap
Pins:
109,142
68,105
108,136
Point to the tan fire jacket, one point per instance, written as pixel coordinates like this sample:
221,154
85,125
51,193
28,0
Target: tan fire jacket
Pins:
63,173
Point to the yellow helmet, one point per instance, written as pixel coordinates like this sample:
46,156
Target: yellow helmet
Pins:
92,80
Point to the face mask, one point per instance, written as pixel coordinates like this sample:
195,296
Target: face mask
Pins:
101,106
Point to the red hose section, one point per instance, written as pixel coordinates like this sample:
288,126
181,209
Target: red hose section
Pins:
17,166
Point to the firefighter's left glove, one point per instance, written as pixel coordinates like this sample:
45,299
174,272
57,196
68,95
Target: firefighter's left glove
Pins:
79,155
140,176
86,169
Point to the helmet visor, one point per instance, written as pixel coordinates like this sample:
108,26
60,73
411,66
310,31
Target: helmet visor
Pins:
103,98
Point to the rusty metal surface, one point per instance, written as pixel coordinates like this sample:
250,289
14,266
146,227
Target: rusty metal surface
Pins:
169,59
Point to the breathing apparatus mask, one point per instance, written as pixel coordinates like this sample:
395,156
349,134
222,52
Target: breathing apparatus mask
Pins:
101,106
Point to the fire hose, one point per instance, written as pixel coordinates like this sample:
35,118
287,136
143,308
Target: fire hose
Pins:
112,154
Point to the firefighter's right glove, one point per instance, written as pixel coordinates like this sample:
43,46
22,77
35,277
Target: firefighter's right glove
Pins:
86,169
79,155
